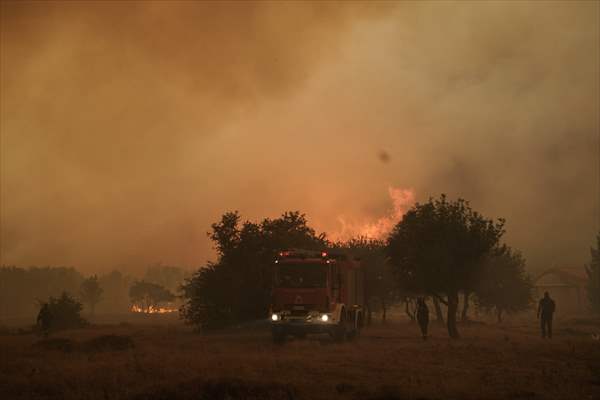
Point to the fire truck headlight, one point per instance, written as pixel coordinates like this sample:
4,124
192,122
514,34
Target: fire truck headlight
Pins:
275,317
324,317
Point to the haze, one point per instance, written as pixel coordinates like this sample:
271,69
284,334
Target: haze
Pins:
126,129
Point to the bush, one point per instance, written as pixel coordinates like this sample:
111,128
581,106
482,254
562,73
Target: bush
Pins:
59,313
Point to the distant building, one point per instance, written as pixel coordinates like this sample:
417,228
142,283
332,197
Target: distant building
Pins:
567,286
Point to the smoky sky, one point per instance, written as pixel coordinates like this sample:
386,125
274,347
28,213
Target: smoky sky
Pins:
126,129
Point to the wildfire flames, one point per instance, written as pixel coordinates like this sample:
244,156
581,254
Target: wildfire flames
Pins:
402,199
152,310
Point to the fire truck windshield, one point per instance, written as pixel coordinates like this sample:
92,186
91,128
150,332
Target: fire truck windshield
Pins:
301,275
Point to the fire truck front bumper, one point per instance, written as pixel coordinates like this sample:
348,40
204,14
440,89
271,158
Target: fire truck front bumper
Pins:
322,323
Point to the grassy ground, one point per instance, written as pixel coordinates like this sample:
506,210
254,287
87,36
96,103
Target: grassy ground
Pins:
166,361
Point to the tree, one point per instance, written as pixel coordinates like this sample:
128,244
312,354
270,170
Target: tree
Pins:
238,286
593,273
169,277
115,288
438,248
91,292
59,313
149,296
504,286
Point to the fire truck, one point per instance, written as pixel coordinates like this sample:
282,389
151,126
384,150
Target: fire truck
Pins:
317,292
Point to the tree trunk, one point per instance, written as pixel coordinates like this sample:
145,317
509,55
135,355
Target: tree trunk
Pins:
369,314
464,316
451,318
438,311
383,311
499,316
407,309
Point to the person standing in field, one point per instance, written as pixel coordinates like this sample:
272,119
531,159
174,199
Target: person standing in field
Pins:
546,310
44,319
422,316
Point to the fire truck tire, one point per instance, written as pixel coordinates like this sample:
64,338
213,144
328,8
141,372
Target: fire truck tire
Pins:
355,330
361,321
340,331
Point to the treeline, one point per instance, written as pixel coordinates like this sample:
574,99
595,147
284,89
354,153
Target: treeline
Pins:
22,290
440,250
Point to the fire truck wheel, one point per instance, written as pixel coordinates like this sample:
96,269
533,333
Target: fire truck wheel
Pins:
355,330
339,331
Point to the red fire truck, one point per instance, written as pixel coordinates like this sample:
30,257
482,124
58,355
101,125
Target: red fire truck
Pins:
317,292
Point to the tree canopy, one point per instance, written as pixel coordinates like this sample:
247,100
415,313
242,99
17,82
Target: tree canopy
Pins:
238,286
504,286
170,277
91,292
438,249
149,296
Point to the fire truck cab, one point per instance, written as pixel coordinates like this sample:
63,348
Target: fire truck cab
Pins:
316,292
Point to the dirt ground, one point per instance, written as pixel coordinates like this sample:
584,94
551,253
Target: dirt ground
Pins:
166,360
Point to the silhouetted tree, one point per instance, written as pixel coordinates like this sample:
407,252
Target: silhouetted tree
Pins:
149,296
504,286
238,286
116,292
439,315
91,292
438,249
169,277
59,313
593,273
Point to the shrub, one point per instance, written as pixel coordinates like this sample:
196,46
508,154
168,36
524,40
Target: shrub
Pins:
59,313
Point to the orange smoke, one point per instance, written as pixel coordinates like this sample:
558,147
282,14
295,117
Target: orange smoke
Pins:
402,200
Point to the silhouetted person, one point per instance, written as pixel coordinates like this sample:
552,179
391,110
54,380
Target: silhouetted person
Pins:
422,316
546,311
44,319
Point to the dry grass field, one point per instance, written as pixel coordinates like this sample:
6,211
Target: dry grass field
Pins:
168,361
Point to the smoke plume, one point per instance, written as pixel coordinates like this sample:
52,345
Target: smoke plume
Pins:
127,128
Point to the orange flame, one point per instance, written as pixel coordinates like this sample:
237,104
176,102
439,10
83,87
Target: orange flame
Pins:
152,310
402,199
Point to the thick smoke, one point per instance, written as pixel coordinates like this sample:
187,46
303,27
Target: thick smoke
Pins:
127,128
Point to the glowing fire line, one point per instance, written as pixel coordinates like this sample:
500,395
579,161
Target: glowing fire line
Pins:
402,200
152,310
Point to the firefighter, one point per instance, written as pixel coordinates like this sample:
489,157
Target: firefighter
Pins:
44,319
546,310
422,316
